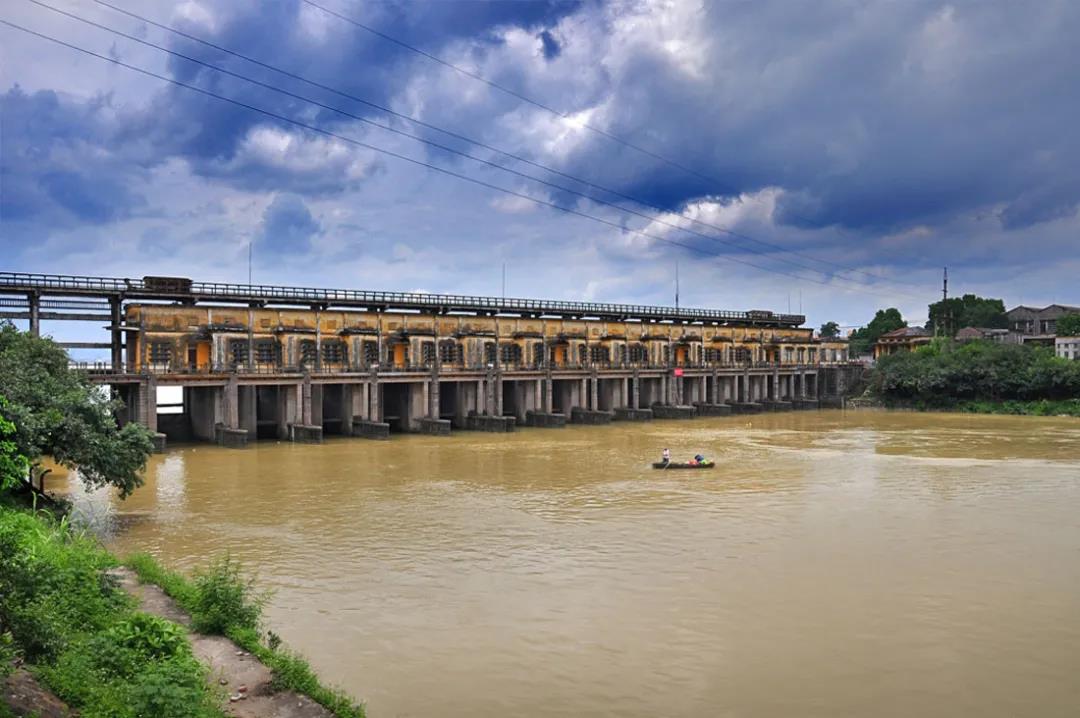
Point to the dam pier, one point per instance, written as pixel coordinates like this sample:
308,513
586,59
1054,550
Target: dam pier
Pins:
292,363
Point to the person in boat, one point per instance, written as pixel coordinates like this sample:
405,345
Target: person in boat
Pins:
665,456
699,459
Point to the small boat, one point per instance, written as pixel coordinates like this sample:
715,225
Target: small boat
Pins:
682,465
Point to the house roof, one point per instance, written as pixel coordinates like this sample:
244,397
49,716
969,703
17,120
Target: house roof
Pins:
905,332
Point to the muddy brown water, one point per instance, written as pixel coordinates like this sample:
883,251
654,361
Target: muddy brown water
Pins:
834,564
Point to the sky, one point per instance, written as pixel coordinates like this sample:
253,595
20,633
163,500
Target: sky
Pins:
828,158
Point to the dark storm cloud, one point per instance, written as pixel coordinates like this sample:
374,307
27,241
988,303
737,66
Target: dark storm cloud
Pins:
54,166
287,227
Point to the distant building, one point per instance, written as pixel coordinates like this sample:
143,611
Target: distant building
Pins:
905,339
970,334
1067,347
1033,322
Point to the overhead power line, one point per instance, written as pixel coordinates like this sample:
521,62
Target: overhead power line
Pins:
388,128
396,155
450,133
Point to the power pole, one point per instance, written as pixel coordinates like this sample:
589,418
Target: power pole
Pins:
945,313
676,284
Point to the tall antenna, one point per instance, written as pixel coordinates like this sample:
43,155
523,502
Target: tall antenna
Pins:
945,313
676,284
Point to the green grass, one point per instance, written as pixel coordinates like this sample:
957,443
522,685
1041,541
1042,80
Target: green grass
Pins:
81,635
222,601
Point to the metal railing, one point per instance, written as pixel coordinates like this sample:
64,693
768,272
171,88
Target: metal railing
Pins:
137,288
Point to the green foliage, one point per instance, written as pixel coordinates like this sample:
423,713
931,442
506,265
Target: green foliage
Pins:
1043,407
976,371
884,321
1069,325
967,311
829,330
80,633
57,412
13,465
222,601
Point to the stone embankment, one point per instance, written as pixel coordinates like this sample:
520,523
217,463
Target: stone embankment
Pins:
249,692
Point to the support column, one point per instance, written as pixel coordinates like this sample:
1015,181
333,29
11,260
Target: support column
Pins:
116,341
775,385
594,392
35,313
249,411
305,401
549,395
635,391
715,398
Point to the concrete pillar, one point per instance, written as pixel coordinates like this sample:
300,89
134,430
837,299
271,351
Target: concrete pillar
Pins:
417,404
498,394
802,385
538,395
116,340
357,403
305,401
594,392
635,391
702,389
248,410
231,403
549,394
149,404
34,301
715,397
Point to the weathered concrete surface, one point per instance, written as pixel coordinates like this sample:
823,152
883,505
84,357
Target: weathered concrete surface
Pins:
673,411
747,407
159,440
370,429
626,413
805,403
588,416
230,666
26,697
544,420
713,409
483,422
230,438
305,433
435,427
777,405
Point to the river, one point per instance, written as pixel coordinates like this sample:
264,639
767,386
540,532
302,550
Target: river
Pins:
834,564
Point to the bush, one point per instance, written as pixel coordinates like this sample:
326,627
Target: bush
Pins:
224,599
80,633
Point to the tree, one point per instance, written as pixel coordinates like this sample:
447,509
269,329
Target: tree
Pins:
884,321
830,330
967,311
1069,325
57,412
13,465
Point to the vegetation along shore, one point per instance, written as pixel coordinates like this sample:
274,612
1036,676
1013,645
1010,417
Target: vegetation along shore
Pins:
77,633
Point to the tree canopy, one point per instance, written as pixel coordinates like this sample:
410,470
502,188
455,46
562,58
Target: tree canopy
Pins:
830,329
884,321
1069,325
57,412
969,310
977,370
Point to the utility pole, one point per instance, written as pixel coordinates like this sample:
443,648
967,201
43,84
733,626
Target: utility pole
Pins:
676,284
945,318
504,280
250,243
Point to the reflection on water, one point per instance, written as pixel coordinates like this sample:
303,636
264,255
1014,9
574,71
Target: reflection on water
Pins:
834,564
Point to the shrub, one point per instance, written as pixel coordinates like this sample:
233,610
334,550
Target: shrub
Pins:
224,599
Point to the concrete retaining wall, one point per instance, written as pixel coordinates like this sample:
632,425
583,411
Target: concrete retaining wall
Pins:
588,416
625,413
673,411
713,409
370,429
483,422
435,427
305,434
543,420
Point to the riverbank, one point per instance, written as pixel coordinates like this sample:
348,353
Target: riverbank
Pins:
68,624
1043,407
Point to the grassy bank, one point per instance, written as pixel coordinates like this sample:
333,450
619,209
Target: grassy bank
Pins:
1045,407
81,635
222,602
